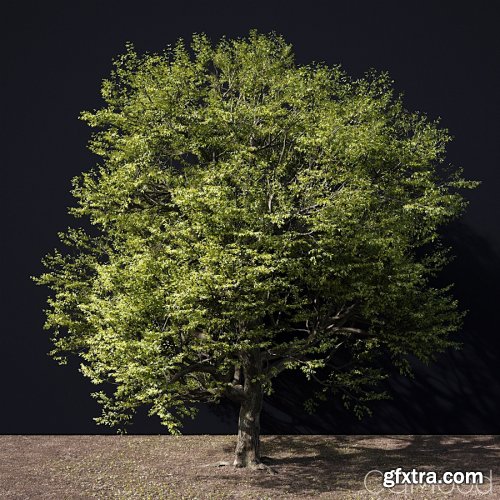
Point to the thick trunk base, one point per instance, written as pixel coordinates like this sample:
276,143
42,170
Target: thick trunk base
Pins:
247,453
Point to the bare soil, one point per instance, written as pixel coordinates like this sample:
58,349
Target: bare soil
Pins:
181,467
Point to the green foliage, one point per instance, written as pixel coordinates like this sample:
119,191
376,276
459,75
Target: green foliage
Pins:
245,204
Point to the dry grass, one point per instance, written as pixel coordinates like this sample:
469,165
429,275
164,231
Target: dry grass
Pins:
109,467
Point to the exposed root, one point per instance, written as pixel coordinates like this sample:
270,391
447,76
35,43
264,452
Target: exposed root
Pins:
262,466
253,466
257,465
218,464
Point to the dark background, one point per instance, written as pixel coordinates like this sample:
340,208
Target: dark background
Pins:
443,55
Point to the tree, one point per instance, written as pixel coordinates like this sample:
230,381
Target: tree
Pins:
251,216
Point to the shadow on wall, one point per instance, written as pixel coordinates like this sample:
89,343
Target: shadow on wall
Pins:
458,394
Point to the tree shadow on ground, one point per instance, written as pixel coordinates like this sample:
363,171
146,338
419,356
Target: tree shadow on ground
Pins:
340,463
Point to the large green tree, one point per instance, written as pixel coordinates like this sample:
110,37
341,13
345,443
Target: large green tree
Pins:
250,216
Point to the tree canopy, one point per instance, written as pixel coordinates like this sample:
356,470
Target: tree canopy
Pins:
249,216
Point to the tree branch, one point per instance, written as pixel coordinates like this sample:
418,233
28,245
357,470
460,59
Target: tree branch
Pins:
351,330
235,393
200,367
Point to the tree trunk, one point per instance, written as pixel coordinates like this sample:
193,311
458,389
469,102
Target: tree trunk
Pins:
247,452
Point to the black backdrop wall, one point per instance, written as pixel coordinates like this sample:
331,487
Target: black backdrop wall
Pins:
443,55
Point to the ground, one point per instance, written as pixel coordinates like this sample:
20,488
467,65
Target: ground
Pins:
156,467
